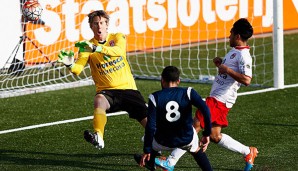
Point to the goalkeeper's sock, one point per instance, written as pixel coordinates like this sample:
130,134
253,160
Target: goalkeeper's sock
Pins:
99,121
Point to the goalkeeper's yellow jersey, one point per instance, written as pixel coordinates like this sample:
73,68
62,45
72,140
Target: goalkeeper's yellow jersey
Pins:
109,69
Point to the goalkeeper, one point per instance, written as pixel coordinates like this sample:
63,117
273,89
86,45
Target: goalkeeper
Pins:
115,86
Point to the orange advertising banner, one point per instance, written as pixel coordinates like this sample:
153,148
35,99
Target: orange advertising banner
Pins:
148,24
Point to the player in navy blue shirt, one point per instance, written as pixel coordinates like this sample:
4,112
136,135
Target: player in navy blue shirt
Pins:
170,123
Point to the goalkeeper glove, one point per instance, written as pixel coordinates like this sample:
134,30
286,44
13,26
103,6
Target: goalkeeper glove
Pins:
86,46
66,57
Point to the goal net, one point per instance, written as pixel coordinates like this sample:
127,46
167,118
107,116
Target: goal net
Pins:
187,34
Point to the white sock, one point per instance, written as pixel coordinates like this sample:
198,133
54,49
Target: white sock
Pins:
175,156
231,144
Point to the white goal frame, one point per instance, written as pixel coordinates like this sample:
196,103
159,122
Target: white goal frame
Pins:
278,44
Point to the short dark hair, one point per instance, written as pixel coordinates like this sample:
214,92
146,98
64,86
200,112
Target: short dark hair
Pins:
243,28
170,74
100,13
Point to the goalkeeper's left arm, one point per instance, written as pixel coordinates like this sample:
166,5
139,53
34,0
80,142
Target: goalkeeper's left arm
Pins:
118,49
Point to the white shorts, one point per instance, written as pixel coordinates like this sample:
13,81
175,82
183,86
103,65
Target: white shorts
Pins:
193,146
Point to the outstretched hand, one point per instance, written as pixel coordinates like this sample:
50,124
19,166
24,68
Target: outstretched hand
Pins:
86,46
66,57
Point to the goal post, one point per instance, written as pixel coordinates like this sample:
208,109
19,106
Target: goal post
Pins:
184,33
278,44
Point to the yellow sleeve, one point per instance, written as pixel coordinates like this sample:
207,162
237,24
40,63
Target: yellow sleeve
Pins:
119,49
79,65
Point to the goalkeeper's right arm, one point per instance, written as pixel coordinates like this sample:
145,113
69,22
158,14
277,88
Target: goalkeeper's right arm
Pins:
79,65
67,58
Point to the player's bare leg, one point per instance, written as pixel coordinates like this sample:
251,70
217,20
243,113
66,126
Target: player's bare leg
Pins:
196,124
143,122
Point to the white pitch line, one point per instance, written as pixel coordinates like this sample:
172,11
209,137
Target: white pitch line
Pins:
57,123
257,91
266,90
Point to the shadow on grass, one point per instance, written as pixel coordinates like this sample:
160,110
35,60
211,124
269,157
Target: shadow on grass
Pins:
56,161
30,160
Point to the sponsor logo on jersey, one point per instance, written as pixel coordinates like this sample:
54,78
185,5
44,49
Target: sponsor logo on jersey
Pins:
220,82
233,56
110,63
248,66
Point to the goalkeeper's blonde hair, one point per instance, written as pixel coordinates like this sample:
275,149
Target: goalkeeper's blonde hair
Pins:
99,13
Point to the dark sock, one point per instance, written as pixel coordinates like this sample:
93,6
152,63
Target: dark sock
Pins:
151,162
202,160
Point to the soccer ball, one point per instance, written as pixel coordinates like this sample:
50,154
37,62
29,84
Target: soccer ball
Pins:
31,10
